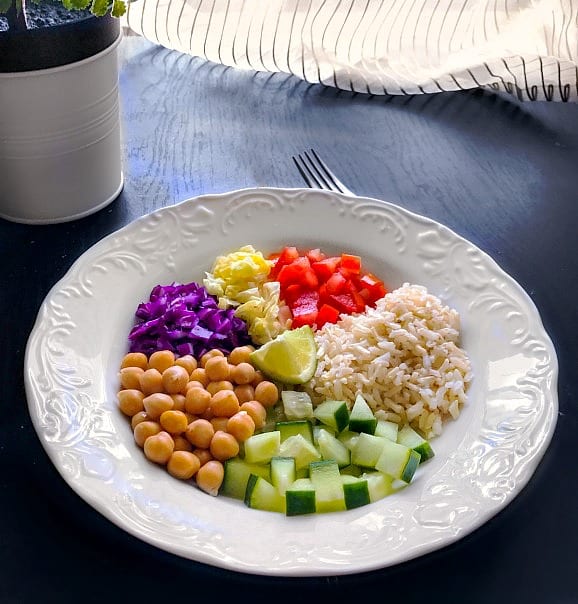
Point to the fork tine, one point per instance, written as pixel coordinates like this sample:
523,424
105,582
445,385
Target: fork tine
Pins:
316,173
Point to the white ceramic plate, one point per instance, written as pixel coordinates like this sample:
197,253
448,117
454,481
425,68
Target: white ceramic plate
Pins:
482,460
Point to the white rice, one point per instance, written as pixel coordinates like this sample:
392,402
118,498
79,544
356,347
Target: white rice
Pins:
403,356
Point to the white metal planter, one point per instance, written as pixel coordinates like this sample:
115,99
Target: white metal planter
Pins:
60,155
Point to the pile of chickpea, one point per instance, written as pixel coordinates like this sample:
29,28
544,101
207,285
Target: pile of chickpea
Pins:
191,416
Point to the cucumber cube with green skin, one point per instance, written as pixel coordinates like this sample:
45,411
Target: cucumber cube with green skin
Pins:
300,448
262,495
300,498
367,450
331,448
283,473
236,476
361,418
398,461
410,438
379,485
260,448
329,495
355,491
386,429
348,438
299,426
297,405
318,428
334,414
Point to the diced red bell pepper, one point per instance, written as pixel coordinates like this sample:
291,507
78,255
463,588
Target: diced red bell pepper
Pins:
293,272
309,279
344,303
351,262
315,255
374,286
326,267
304,309
291,293
336,284
287,255
327,314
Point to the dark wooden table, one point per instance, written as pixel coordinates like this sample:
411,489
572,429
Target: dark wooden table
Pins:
500,173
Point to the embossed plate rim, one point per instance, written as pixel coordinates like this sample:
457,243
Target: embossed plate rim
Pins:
416,521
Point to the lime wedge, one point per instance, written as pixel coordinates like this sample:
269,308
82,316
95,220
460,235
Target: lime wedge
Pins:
290,358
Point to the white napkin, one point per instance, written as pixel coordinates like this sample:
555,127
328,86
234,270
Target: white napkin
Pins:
528,48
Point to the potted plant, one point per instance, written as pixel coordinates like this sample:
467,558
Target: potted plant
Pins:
60,156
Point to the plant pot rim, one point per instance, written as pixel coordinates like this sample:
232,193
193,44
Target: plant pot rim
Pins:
56,45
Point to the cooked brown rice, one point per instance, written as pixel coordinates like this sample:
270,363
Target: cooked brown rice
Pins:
403,356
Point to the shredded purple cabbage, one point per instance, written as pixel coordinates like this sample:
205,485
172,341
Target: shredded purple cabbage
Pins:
185,319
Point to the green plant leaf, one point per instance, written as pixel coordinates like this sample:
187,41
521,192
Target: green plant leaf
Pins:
100,7
118,8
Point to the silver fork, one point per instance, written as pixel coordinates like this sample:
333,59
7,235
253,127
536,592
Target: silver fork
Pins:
316,173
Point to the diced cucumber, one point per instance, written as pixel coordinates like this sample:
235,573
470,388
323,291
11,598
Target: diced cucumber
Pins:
331,448
410,438
348,438
355,491
361,418
274,414
300,448
351,470
379,485
386,429
299,426
260,448
318,427
367,450
326,479
297,405
237,472
398,461
283,472
334,414
300,497
262,495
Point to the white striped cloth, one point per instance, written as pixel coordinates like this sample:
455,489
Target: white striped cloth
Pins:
528,48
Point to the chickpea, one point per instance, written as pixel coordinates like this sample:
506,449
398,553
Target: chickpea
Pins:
197,400
213,387
257,412
217,369
199,375
175,379
161,360
137,418
266,393
159,447
190,417
183,465
210,477
130,402
157,403
174,422
245,393
145,429
243,373
240,354
130,377
241,426
259,377
199,433
224,403
223,446
181,443
219,423
151,381
178,402
209,355
194,384
203,455
188,362
135,359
